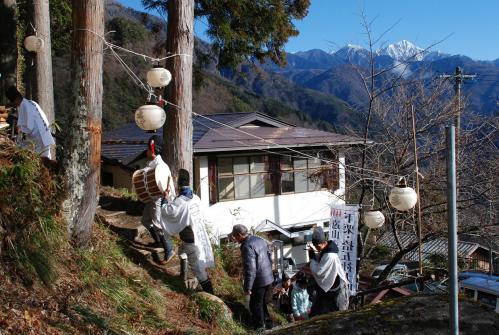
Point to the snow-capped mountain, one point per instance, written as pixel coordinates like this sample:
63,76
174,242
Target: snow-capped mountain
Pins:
353,54
403,51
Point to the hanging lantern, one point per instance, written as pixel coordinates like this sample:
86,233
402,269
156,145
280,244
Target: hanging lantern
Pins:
403,197
374,219
33,43
150,117
158,77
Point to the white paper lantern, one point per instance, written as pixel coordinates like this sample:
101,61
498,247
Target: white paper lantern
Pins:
33,43
403,197
374,219
150,117
158,77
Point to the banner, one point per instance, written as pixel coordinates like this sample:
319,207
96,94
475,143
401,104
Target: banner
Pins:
343,229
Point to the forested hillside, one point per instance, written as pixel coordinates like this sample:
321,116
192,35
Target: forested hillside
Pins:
248,89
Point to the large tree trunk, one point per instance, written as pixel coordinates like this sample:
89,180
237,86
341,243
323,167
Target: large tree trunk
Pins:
45,87
82,150
177,132
8,46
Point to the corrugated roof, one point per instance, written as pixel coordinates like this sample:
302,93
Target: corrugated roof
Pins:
224,139
489,284
436,246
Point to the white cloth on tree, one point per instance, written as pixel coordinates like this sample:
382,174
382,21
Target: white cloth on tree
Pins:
326,270
33,122
183,212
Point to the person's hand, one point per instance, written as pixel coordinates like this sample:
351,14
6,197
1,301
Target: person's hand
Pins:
247,292
280,290
311,254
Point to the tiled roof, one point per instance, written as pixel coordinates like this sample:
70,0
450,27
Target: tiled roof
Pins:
210,134
124,144
436,246
130,132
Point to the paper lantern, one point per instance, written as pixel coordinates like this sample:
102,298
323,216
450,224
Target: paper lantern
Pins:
158,77
374,219
150,117
33,43
402,197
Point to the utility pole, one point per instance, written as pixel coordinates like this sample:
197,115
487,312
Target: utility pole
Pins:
452,230
459,77
415,143
177,131
44,84
83,132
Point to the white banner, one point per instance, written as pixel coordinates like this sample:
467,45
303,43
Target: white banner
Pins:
343,230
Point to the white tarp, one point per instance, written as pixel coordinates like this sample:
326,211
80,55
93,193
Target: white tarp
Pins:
343,229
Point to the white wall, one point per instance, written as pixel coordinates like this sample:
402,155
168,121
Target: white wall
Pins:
287,210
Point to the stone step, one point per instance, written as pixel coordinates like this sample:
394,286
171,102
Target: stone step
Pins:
124,225
151,256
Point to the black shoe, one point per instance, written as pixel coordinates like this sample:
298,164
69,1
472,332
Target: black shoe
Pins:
207,286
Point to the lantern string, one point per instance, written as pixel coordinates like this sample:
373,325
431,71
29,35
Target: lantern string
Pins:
114,46
137,81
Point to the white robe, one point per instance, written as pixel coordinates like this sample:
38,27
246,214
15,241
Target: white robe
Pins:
326,270
183,212
33,122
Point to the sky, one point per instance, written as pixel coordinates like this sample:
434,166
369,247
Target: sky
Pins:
467,27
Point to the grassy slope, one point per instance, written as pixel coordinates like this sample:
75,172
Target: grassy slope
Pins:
49,287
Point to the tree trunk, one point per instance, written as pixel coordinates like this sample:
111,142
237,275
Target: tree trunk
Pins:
45,87
82,150
177,132
8,46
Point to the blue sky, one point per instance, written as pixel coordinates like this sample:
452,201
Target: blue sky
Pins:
473,25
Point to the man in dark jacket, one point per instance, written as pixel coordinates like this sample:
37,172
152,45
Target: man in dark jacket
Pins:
258,277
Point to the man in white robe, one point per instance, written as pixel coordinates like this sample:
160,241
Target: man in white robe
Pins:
151,216
33,123
184,216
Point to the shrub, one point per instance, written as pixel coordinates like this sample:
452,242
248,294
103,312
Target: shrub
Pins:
30,197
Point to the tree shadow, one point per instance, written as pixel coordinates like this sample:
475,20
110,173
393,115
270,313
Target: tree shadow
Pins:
112,203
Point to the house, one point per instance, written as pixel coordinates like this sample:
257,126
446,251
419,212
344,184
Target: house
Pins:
471,255
248,168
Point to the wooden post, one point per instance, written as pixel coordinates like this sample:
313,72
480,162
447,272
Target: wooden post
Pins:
83,132
44,84
177,132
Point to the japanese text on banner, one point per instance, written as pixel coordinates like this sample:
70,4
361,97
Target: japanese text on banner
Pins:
343,227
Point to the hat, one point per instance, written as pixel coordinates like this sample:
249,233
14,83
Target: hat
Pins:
318,236
239,229
12,93
183,178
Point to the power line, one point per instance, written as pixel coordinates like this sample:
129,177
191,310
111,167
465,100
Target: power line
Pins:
459,77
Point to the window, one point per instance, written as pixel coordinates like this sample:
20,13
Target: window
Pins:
243,177
297,175
255,176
